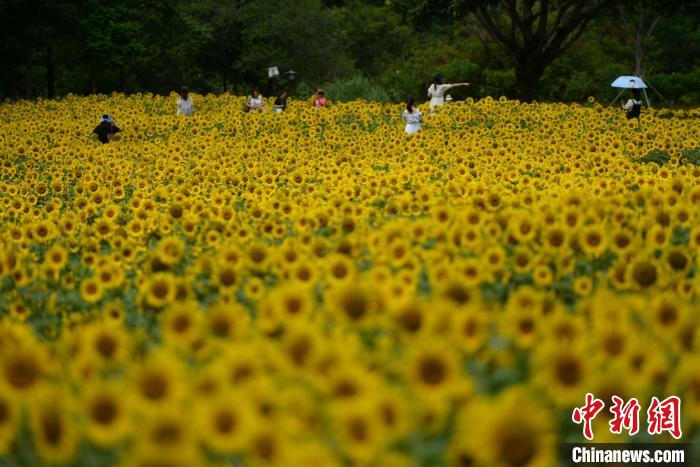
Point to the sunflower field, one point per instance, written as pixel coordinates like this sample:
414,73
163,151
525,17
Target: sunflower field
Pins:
316,288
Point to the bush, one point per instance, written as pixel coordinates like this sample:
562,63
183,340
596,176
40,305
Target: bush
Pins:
691,156
356,87
655,155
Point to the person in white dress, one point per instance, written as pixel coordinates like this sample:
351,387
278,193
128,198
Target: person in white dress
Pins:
437,90
184,102
412,116
255,102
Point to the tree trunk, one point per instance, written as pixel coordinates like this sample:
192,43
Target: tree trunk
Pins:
13,86
528,73
50,78
638,53
28,80
122,76
225,82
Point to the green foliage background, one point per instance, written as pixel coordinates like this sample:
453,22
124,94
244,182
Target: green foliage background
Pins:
355,48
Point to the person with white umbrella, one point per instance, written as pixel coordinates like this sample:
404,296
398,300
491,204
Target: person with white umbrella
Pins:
633,106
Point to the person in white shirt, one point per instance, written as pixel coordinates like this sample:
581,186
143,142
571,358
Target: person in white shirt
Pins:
633,107
254,102
437,90
184,102
412,116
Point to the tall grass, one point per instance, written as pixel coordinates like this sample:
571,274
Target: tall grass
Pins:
348,89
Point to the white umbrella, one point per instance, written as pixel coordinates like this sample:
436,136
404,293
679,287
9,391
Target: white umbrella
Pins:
629,82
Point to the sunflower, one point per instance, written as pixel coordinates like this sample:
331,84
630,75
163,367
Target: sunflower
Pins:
257,257
91,290
43,231
291,302
304,272
522,260
9,420
513,430
668,314
342,381
225,427
521,325
227,322
678,260
542,276
339,268
166,432
254,288
458,293
564,327
571,218
52,428
471,330
159,290
226,278
240,365
181,325
522,228
20,311
109,276
317,453
409,316
23,366
694,238
686,379
593,241
622,241
103,228
643,273
583,286
353,303
113,312
267,446
360,433
561,372
494,258
471,270
658,237
170,250
106,344
56,257
432,371
158,381
300,345
107,413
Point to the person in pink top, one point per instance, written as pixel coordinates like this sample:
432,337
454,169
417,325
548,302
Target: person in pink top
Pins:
320,100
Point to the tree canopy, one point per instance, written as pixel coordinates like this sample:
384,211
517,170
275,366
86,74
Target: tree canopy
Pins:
529,49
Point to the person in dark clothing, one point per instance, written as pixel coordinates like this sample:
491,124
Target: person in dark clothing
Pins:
281,102
633,107
106,131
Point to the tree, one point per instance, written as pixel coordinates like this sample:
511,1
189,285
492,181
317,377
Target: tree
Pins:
638,21
375,35
296,34
532,32
219,24
30,32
